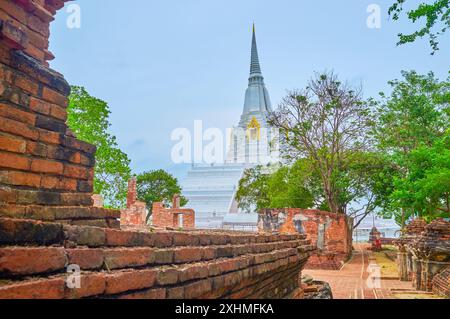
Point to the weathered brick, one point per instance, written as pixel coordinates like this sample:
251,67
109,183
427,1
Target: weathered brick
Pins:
34,289
16,114
58,112
129,280
164,256
119,238
185,239
198,288
128,257
39,106
27,197
11,144
228,265
74,171
78,145
18,128
184,255
191,272
7,195
31,261
162,240
49,137
14,11
175,293
46,166
19,232
167,276
91,284
85,235
75,199
85,186
37,149
13,36
54,97
51,124
36,24
208,253
224,251
14,161
20,178
86,258
26,84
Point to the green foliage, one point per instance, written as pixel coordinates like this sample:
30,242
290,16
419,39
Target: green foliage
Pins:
157,186
412,134
270,187
88,119
253,191
426,187
416,112
437,16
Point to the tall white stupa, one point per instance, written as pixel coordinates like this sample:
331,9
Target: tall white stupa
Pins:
211,189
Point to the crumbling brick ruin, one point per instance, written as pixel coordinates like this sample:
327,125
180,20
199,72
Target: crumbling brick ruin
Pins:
424,256
331,233
49,226
404,255
46,173
136,212
174,217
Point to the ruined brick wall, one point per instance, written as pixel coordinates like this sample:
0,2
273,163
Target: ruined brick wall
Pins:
431,253
45,172
174,217
136,212
331,233
130,264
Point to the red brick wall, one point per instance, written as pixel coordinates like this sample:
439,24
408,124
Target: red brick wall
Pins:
41,163
169,217
136,212
337,237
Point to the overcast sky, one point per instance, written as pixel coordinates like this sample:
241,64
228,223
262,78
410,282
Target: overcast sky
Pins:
163,64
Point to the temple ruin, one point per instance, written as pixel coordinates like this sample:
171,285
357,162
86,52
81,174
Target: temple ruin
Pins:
330,233
424,256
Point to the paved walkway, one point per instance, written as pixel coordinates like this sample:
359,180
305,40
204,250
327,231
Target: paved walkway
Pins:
359,279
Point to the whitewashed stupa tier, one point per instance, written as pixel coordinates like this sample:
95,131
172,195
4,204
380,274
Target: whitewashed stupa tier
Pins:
211,189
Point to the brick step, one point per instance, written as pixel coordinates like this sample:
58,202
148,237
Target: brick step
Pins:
176,281
31,232
25,261
14,196
57,213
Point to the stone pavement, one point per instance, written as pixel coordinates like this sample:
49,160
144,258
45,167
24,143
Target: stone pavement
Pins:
352,280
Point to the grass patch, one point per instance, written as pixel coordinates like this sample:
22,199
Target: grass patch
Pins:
406,295
387,266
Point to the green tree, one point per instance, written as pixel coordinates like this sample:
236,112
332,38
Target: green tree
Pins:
328,123
157,186
88,120
253,190
276,187
410,130
426,187
437,16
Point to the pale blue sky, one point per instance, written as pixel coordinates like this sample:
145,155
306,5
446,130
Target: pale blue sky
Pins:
163,64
